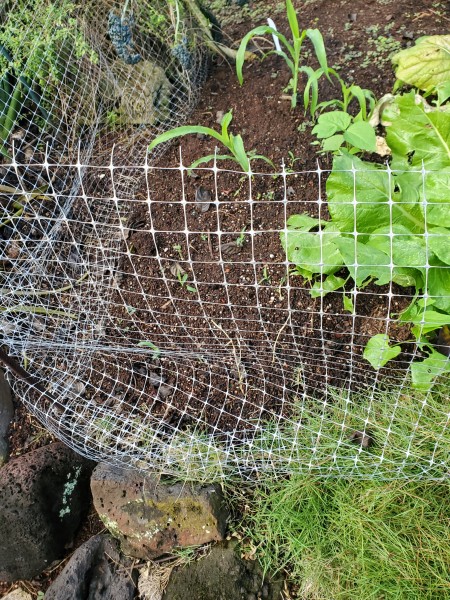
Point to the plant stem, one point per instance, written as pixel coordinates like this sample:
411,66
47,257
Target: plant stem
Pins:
38,310
10,119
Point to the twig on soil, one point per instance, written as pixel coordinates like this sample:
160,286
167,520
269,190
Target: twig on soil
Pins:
20,372
278,336
210,245
237,357
45,292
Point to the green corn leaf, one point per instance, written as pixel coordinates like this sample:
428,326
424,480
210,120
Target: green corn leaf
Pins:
292,19
311,88
317,40
186,130
226,120
257,31
261,157
209,157
240,154
363,97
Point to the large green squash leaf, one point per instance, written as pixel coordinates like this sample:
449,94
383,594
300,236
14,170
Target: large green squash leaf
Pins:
417,133
427,64
373,189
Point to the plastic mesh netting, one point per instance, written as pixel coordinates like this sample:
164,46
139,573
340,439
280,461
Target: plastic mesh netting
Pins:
107,72
163,317
173,333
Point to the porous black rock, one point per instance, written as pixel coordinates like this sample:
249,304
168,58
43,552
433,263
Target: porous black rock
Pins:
44,496
95,571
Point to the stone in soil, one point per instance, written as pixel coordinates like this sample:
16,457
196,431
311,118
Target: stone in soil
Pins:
44,496
151,517
95,570
222,575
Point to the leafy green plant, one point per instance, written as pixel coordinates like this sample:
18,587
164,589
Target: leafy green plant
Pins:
233,143
38,43
337,128
183,281
292,52
35,38
388,225
426,66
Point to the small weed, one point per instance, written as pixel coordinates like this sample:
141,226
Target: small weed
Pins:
177,248
265,276
183,281
265,196
152,346
241,238
304,126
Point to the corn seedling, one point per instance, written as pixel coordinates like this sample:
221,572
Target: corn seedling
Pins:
292,52
233,143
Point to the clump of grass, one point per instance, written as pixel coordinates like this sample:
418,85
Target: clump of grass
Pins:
358,539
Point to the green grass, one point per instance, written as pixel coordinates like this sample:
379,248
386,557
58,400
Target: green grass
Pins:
408,430
354,539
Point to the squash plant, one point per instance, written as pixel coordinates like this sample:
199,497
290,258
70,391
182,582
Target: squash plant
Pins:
391,224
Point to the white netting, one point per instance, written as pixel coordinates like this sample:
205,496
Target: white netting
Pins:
169,331
107,72
161,316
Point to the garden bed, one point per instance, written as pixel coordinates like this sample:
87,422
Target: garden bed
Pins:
243,336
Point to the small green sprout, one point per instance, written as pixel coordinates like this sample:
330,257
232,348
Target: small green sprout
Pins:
234,143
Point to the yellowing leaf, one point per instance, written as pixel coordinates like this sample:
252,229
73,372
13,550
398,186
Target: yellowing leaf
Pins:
425,65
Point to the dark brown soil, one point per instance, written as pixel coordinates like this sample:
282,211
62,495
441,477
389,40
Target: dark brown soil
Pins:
249,339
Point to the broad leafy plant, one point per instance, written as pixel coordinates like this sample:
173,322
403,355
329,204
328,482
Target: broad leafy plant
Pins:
387,225
292,52
426,66
337,129
233,143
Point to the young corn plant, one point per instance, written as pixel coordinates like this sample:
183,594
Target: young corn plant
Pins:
233,143
365,98
292,51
